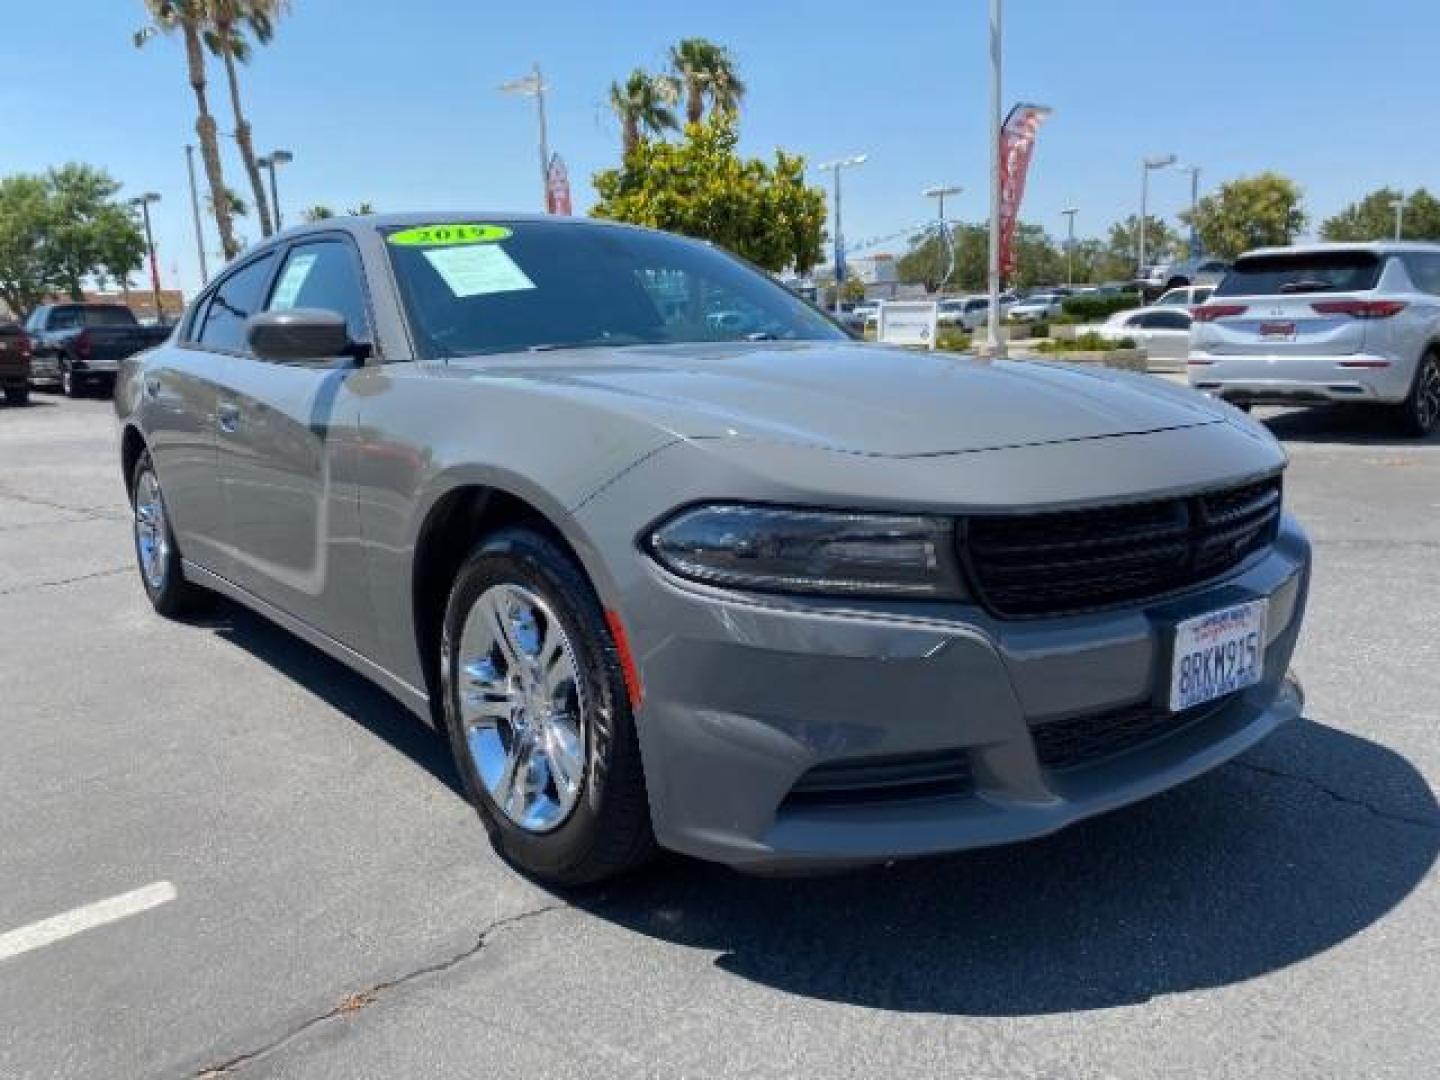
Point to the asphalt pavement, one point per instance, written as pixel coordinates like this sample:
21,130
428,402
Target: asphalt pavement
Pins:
223,854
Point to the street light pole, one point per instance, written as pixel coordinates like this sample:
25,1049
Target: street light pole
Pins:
1194,171
269,163
939,192
1399,215
195,212
835,167
1070,212
1147,164
533,85
993,345
143,202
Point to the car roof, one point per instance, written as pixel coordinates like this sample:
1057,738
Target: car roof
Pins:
1377,247
366,223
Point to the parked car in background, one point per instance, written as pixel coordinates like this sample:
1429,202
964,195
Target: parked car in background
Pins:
1037,308
864,316
80,346
1326,322
14,363
1163,332
967,313
781,601
1186,296
1161,277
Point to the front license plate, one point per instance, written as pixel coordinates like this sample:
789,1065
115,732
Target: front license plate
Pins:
1217,654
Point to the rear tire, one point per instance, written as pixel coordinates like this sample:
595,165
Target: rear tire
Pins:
17,395
69,384
538,713
1419,414
156,553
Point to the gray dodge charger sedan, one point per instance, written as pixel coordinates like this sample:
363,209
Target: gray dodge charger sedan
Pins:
672,560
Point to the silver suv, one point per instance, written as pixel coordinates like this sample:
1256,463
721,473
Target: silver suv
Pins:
1328,322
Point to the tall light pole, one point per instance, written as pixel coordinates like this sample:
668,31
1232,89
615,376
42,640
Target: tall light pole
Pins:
993,345
269,163
1070,212
1194,173
533,85
1162,161
939,192
1399,215
195,213
143,202
836,167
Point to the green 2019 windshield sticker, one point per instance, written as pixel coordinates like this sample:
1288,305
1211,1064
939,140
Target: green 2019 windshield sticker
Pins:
439,235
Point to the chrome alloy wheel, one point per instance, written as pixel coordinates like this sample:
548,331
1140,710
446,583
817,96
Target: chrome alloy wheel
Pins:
152,538
522,707
1427,394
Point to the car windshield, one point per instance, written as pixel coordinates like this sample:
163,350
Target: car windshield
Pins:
479,289
1301,272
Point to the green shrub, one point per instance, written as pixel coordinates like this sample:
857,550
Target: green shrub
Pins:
1091,342
950,340
1093,307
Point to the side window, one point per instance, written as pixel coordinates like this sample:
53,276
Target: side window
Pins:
234,301
36,322
1424,270
323,275
1169,320
64,318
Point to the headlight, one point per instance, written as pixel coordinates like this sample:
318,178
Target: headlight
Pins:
774,549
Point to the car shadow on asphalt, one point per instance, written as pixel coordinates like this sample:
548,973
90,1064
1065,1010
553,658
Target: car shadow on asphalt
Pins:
1360,425
1243,872
339,687
1291,850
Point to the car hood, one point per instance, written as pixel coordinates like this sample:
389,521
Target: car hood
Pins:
856,398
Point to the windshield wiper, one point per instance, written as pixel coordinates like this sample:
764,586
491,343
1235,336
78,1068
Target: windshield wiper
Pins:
1304,285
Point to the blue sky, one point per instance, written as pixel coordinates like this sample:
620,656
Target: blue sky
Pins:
396,103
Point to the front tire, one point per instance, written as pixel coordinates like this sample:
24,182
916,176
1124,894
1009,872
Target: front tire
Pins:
156,554
1419,413
536,709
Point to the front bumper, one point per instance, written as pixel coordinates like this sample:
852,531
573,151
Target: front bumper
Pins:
745,697
1261,379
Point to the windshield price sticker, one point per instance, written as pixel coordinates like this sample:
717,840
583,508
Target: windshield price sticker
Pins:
442,235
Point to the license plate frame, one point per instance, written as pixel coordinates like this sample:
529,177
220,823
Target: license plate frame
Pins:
1217,653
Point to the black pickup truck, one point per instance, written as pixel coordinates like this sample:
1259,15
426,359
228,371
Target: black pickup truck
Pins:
78,346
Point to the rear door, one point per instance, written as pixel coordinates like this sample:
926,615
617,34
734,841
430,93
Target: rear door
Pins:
1294,303
1166,333
287,441
180,398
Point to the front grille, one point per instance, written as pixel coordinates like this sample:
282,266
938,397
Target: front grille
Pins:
1026,565
894,778
1085,740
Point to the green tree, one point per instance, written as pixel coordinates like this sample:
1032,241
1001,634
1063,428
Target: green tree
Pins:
361,209
706,72
318,212
1265,210
1373,217
642,105
700,187
61,228
25,276
190,18
230,24
924,263
1123,244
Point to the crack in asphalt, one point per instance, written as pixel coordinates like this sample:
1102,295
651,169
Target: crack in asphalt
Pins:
95,512
360,999
1340,796
33,586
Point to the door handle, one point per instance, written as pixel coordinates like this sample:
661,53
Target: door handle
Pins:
227,416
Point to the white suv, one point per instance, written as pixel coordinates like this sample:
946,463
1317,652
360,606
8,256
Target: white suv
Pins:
1328,322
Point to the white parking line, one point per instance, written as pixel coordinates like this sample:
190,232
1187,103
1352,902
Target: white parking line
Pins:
77,920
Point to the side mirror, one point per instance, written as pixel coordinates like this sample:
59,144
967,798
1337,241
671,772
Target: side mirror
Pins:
301,335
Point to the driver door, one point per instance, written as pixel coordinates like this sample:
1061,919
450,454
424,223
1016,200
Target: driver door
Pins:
286,441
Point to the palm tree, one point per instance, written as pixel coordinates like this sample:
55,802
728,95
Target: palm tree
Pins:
188,17
643,105
706,70
225,36
318,212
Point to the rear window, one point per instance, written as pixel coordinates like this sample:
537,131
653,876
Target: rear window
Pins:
65,318
1302,272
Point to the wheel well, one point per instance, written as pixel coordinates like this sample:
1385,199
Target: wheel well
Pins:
132,445
449,533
